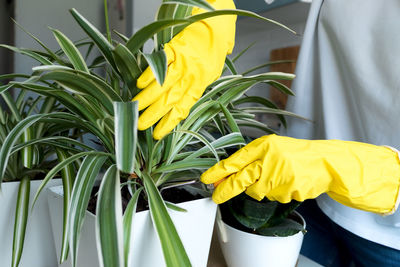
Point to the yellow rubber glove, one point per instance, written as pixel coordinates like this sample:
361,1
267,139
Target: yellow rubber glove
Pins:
355,174
196,57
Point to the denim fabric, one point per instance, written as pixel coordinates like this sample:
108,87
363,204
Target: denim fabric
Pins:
330,245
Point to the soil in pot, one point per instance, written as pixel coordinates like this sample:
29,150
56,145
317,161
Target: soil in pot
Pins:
176,195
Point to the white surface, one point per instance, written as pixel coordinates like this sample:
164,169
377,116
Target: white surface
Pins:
350,91
244,249
36,16
38,249
195,228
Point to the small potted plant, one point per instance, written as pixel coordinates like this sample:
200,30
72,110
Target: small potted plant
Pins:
99,107
260,233
23,227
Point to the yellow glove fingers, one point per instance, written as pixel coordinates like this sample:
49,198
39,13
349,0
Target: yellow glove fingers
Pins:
237,161
167,123
237,183
180,110
152,114
147,76
162,106
154,91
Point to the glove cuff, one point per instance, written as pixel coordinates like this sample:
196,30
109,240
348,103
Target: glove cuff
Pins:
396,205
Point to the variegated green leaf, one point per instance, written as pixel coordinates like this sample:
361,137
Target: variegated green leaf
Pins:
173,250
67,175
80,196
109,228
200,163
21,219
102,43
70,51
158,64
126,118
128,226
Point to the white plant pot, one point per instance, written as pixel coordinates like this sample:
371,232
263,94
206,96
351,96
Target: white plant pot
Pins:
245,249
39,247
195,228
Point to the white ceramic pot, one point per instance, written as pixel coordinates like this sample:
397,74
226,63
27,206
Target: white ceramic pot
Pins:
39,247
195,228
245,249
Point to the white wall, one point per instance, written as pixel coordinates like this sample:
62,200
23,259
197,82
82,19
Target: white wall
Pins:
37,15
144,12
267,38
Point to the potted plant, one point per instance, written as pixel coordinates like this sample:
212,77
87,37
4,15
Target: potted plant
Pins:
97,96
259,233
23,227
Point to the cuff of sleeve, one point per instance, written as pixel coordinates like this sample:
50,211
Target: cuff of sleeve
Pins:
396,205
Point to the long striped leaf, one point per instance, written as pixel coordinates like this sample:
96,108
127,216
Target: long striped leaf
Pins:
29,53
12,138
98,38
86,84
21,219
81,192
229,118
231,66
70,51
67,175
127,65
166,11
200,163
128,222
203,140
109,228
145,33
172,247
237,12
197,3
262,101
232,139
158,64
50,54
126,118
27,152
56,141
60,166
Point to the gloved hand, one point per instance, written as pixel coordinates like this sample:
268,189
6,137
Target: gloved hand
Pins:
355,174
196,57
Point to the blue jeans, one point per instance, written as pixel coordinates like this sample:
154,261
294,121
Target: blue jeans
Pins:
330,245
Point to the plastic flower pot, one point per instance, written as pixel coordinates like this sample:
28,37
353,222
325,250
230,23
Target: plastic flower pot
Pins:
246,249
195,228
38,246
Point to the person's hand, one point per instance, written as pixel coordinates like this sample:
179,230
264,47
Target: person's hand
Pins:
196,58
355,174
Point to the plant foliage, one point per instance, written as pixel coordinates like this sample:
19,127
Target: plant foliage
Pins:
96,128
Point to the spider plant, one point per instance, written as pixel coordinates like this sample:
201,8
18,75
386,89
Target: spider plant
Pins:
97,98
27,159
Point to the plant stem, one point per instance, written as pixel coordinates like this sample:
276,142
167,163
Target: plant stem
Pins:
106,20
